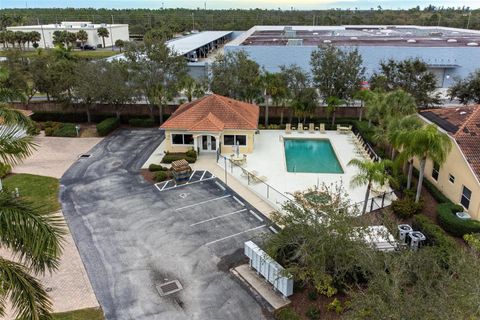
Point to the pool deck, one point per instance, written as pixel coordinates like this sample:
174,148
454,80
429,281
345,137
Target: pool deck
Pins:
268,160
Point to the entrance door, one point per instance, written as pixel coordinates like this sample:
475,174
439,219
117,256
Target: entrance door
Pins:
209,143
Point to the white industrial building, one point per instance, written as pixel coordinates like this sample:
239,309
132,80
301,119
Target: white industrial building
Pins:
116,32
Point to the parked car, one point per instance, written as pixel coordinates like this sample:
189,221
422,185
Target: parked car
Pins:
89,47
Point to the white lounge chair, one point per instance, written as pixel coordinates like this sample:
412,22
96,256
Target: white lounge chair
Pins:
311,127
300,128
288,128
322,127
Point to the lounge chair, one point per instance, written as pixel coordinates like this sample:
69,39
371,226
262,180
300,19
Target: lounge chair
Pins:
288,128
322,127
300,128
311,127
257,178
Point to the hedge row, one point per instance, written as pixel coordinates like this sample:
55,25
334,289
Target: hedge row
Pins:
156,167
81,117
57,129
107,126
453,224
142,123
435,235
190,156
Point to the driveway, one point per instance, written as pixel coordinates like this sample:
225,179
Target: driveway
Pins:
133,237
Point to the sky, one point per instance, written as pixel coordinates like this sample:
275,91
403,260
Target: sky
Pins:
242,4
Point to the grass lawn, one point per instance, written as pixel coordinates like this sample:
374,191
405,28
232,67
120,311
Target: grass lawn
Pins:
84,314
38,189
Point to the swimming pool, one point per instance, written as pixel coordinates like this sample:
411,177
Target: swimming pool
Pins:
311,156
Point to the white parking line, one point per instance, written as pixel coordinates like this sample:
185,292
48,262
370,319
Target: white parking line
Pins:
234,235
200,203
220,186
191,176
201,178
273,229
256,215
241,203
218,217
156,186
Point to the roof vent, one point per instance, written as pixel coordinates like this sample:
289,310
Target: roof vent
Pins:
353,38
327,41
472,44
166,288
462,112
411,41
452,40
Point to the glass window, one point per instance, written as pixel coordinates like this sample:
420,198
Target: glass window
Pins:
228,140
188,139
435,171
451,178
466,195
241,140
177,138
182,139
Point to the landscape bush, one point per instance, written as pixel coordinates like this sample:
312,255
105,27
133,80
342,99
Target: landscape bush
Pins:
473,240
435,235
170,157
4,169
312,295
58,129
191,154
335,305
286,314
156,167
107,126
142,123
162,176
453,224
313,313
406,208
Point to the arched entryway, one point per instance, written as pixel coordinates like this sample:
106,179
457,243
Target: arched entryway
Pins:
207,142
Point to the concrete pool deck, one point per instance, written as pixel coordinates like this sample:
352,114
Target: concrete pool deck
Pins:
268,160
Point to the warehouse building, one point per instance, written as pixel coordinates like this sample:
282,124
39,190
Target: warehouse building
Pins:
449,53
116,32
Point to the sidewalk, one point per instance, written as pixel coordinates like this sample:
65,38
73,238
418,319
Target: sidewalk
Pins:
208,162
263,288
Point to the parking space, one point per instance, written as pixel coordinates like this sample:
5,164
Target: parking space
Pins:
196,176
136,239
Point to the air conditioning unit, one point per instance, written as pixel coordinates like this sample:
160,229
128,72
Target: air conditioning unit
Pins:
416,239
403,231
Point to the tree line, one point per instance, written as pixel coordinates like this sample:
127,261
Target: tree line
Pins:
180,20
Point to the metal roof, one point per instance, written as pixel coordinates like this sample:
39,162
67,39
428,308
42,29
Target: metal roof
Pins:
192,42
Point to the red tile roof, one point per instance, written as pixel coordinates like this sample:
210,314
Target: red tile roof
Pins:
214,113
463,124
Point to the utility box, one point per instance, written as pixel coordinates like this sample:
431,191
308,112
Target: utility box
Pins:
271,270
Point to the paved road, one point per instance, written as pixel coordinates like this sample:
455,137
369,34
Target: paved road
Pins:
132,237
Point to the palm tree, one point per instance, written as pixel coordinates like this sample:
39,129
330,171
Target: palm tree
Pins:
332,104
33,235
270,85
426,143
19,38
363,96
82,35
119,43
10,37
35,36
3,38
369,173
103,32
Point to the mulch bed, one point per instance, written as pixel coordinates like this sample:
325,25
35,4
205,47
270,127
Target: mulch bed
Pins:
148,175
301,303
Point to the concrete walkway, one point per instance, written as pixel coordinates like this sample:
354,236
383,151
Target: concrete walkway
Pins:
263,288
69,287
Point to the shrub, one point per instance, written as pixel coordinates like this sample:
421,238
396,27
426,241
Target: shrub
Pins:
435,235
143,123
286,314
170,157
65,130
4,169
473,240
453,224
57,129
313,313
107,126
406,208
191,154
313,295
162,176
335,305
156,167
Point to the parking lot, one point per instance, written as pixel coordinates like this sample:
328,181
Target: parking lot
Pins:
136,240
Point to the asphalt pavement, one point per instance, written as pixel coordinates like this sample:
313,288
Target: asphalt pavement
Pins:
134,238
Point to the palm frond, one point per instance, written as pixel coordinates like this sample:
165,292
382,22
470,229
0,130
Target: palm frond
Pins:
34,235
28,297
15,144
11,116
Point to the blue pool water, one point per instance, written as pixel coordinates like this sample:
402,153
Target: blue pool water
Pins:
311,155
